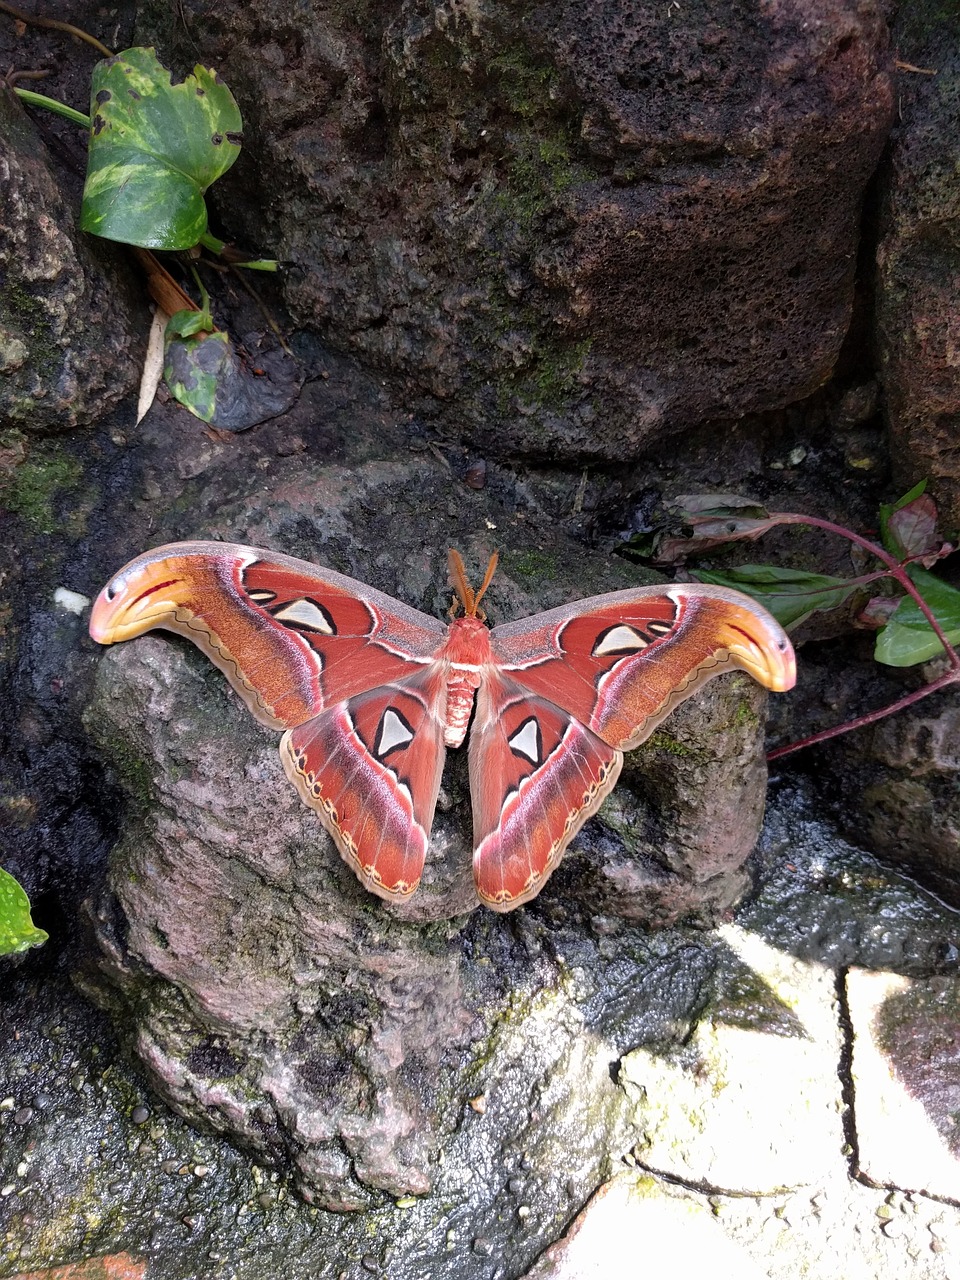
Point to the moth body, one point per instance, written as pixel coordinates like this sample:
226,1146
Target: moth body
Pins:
467,653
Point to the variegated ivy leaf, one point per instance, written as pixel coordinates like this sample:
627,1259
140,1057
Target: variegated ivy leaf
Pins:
17,930
155,147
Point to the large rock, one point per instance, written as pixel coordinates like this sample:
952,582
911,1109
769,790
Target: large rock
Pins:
902,788
267,993
890,785
919,258
69,342
572,229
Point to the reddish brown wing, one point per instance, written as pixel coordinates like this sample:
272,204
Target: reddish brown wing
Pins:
620,663
290,637
371,768
348,671
536,775
575,687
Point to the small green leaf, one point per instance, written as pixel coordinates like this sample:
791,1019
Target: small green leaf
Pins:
155,147
908,637
791,595
17,930
187,323
259,264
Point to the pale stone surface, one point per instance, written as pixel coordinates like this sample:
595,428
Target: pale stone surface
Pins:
906,1080
747,1109
636,1225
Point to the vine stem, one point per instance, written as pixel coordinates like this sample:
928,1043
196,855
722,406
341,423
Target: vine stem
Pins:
950,677
51,104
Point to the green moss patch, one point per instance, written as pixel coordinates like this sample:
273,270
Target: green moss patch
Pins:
35,485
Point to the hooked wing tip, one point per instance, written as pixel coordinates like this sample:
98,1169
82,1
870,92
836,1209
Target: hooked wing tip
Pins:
768,656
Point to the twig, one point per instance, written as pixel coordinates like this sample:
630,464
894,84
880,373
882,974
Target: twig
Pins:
908,66
265,310
12,76
54,24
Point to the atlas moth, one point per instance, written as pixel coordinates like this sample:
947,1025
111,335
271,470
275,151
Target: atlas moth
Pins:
370,693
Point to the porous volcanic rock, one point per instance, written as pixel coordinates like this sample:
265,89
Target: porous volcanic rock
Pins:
919,259
266,992
571,229
900,787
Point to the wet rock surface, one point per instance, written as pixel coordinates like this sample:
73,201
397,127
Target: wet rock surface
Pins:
903,782
826,925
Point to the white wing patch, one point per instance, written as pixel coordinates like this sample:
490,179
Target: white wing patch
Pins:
527,742
622,639
393,732
306,613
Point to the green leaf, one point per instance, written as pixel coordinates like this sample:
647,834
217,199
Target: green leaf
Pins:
155,147
17,930
908,637
187,323
791,595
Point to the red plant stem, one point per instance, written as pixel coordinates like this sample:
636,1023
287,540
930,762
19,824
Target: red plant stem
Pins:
895,567
950,677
